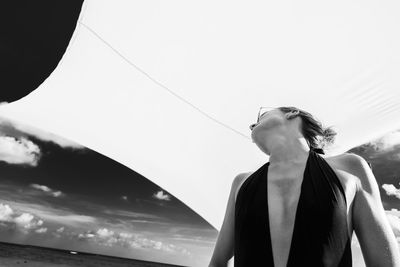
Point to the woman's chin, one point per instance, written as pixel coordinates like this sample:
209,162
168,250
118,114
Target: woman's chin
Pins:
258,133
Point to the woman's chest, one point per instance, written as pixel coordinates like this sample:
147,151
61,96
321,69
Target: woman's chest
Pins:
284,194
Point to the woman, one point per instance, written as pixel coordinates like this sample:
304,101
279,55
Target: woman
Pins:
300,209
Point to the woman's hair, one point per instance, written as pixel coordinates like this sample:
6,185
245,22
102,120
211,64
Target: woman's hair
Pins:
317,136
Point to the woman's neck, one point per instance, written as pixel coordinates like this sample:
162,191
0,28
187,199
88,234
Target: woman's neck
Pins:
286,152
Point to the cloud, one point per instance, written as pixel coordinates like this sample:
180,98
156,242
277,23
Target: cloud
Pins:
152,222
195,239
69,219
54,215
189,234
23,214
40,134
393,211
387,142
27,221
58,233
41,230
5,212
87,235
131,214
41,187
19,151
47,190
124,198
21,221
104,233
161,196
126,235
391,190
394,223
393,216
106,237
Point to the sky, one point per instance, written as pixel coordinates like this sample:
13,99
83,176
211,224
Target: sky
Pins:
57,193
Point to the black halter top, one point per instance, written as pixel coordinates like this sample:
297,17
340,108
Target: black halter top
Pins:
320,234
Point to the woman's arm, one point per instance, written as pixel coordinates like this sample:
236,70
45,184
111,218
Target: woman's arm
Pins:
223,249
377,240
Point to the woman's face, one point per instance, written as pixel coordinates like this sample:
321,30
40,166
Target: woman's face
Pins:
266,115
267,121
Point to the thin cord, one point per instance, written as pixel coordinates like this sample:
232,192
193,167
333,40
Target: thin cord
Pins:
157,82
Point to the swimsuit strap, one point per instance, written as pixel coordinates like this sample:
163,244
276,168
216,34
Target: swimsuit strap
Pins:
317,150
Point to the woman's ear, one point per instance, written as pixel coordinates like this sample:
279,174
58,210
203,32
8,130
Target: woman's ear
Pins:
292,114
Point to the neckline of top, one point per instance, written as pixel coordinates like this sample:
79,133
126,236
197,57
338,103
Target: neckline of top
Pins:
269,240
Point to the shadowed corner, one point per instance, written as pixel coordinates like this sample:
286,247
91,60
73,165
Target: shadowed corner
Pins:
34,39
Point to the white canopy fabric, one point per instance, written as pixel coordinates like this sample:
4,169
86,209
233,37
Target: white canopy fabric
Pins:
169,88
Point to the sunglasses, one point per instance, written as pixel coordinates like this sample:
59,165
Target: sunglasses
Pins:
261,112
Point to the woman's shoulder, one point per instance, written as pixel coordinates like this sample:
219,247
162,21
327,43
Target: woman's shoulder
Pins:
239,180
349,162
344,158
